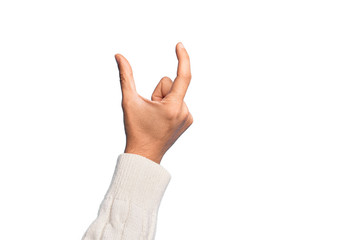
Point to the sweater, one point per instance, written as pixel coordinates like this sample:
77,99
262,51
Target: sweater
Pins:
130,206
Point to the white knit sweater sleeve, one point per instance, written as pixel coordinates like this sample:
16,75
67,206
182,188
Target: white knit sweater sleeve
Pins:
130,207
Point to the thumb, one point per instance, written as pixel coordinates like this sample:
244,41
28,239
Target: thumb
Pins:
127,82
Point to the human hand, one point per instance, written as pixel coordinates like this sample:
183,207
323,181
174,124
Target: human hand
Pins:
153,126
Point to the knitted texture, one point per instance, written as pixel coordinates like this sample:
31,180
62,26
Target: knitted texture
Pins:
130,206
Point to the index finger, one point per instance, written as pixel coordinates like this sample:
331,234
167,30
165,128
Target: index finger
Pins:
182,80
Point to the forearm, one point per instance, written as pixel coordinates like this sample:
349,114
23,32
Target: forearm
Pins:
130,206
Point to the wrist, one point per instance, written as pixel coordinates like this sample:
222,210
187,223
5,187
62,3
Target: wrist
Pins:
151,155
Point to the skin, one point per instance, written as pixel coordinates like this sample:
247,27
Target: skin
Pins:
153,126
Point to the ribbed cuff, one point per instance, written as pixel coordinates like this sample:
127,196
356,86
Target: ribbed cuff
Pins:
139,180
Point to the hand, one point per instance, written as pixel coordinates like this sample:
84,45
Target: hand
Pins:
152,127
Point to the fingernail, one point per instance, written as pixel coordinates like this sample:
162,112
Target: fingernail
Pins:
181,45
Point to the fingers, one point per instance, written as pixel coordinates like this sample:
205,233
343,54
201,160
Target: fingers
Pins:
183,77
162,89
127,82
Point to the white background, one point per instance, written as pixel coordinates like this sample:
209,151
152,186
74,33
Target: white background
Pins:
274,149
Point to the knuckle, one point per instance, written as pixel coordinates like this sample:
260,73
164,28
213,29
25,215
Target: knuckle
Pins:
180,113
185,114
125,77
122,77
190,119
172,114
